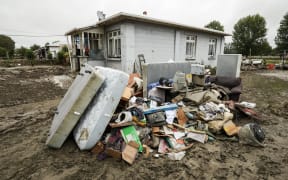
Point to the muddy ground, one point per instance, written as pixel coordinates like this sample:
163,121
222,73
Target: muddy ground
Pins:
28,98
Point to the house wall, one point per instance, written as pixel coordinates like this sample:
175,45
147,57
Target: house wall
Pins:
128,46
155,42
202,46
158,44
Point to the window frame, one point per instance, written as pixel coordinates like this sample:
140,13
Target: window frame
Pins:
213,44
96,45
97,40
190,39
114,40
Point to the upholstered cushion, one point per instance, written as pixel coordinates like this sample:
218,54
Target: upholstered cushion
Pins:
226,81
236,89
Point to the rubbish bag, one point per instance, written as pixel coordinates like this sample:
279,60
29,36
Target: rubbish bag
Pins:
252,134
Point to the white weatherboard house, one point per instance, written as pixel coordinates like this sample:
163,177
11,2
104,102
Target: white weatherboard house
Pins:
117,41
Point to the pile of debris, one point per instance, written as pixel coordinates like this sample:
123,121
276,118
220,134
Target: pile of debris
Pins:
253,64
106,110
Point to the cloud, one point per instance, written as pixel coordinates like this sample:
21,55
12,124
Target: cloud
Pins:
54,17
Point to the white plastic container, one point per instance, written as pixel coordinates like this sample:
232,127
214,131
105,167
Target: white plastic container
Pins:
197,69
99,112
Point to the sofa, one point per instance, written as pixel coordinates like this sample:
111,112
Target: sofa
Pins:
234,85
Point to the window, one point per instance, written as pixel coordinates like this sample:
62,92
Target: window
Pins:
114,44
96,45
190,47
96,41
212,48
77,45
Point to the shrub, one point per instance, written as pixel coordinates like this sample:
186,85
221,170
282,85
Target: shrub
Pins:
50,56
3,52
30,55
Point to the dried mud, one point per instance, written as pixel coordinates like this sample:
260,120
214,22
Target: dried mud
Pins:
27,103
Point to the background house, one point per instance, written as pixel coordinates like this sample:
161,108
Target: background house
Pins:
118,40
53,49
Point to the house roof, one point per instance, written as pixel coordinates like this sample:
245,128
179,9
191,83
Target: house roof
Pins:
140,18
74,30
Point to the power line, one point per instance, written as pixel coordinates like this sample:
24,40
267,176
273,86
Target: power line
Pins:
25,35
17,31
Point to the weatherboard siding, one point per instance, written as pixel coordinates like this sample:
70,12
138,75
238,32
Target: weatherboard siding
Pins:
155,42
158,44
128,47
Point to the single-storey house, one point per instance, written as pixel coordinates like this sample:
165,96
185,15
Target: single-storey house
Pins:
53,49
117,41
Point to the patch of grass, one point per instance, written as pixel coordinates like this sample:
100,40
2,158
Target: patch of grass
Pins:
271,84
273,61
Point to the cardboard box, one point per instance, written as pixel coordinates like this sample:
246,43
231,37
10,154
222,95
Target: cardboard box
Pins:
98,148
130,152
113,153
198,80
127,94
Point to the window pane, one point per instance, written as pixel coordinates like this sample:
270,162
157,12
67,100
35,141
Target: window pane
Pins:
193,49
100,44
110,47
210,50
96,44
115,50
187,49
190,46
119,48
212,47
114,47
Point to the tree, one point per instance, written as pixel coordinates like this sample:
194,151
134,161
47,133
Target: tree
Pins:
281,40
7,43
63,55
3,52
64,48
215,25
34,47
265,49
229,48
29,54
249,35
50,56
21,52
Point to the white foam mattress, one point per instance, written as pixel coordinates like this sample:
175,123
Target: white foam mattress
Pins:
74,103
99,112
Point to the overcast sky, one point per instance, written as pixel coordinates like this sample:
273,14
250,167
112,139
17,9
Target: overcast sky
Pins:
55,17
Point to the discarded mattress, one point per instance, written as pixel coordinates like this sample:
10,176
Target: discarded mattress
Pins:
74,103
99,112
